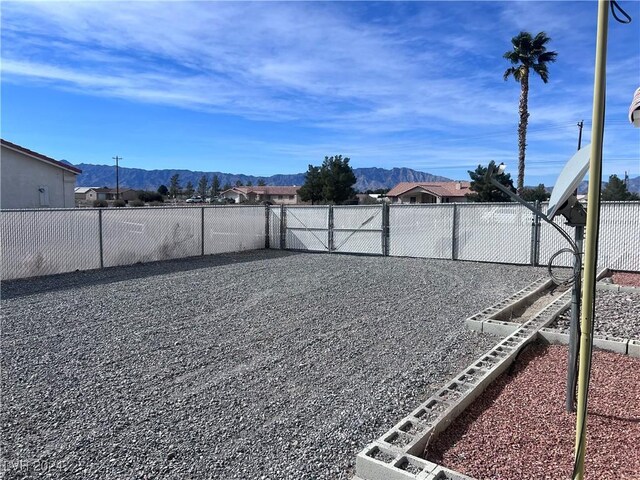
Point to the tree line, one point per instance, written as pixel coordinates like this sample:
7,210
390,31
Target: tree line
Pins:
483,191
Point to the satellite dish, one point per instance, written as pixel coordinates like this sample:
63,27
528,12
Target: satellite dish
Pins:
569,179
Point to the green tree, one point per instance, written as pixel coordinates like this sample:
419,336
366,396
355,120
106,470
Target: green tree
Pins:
311,191
249,183
616,189
528,54
174,186
261,183
163,190
239,183
148,196
337,179
188,190
538,194
215,186
202,186
482,189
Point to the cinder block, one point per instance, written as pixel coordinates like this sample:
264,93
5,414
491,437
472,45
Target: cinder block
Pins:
633,348
372,468
554,337
613,344
391,466
442,473
498,327
607,286
627,289
473,325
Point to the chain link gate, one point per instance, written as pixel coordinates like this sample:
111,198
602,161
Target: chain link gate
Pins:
357,229
306,228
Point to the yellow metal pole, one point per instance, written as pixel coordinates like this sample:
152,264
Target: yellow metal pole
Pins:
591,238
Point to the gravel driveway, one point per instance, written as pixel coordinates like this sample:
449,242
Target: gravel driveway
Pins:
253,365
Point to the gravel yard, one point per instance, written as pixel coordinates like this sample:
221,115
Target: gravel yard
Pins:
261,364
617,315
518,427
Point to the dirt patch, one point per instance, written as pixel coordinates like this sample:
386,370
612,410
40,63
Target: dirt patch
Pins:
518,428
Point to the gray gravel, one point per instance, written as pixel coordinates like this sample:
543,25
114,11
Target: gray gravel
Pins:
617,315
253,365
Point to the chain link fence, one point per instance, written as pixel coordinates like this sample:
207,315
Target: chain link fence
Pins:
233,229
139,235
44,242
496,232
619,244
421,230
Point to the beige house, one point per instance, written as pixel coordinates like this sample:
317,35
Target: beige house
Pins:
429,192
278,195
90,194
33,180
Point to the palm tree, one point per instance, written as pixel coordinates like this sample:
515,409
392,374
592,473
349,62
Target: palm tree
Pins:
529,53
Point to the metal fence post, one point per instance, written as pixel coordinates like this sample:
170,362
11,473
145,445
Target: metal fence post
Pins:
283,228
330,226
385,229
535,237
202,232
266,226
454,233
100,237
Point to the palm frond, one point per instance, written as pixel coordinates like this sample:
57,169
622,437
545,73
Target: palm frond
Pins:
547,57
512,56
541,69
540,40
515,72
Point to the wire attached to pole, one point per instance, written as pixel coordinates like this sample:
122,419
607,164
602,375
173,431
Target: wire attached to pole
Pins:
615,5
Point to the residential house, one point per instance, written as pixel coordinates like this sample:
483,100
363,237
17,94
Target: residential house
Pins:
429,192
91,194
33,180
278,195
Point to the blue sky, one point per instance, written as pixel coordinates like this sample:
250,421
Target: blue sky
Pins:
268,87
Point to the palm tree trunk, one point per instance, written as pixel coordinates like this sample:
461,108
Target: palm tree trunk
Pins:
522,126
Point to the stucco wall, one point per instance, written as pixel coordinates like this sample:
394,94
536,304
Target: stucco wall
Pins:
23,176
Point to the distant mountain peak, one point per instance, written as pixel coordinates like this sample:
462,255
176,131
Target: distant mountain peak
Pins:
368,178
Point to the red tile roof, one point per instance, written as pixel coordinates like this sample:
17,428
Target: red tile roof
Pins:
39,156
440,189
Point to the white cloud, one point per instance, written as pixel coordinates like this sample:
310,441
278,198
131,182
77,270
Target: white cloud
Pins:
427,72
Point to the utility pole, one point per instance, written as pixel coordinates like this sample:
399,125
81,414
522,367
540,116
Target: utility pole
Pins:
580,125
117,158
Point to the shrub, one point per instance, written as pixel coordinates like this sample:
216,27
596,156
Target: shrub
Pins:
136,203
119,203
156,204
100,203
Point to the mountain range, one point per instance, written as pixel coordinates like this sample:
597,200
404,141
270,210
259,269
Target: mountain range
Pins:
367,178
139,179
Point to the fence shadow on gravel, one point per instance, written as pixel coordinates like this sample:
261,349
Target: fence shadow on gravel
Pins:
87,278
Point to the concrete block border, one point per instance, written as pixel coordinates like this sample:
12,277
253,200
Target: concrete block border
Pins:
612,344
487,320
396,455
617,288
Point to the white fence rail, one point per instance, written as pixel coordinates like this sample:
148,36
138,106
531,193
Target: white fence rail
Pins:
44,242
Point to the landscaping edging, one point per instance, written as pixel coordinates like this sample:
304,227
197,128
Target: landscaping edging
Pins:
397,455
